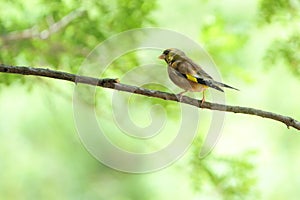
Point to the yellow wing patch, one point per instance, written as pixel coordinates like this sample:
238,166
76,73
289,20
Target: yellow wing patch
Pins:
191,78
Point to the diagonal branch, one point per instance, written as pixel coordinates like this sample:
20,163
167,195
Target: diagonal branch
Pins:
34,32
116,85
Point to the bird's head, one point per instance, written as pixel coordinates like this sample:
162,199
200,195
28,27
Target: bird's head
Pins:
171,55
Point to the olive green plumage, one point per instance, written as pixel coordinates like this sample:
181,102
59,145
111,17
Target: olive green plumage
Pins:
186,74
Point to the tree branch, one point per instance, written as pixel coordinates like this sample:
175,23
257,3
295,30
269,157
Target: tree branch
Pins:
116,85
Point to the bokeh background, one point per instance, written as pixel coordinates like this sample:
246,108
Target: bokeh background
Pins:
255,45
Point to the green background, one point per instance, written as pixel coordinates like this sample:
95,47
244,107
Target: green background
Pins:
255,45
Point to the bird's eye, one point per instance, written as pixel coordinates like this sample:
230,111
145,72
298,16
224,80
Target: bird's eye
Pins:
166,52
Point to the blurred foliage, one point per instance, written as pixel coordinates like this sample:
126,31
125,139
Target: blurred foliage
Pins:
90,22
221,36
229,177
286,50
33,33
59,34
286,46
279,10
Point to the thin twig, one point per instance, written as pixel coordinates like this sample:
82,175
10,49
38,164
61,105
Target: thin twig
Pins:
34,31
116,85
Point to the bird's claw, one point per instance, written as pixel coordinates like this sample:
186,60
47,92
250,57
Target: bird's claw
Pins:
202,101
179,97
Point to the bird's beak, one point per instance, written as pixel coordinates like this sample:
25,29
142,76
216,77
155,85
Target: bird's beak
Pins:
162,56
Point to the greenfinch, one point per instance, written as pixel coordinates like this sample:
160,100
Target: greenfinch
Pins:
186,74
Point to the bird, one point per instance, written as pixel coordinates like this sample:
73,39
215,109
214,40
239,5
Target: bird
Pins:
188,75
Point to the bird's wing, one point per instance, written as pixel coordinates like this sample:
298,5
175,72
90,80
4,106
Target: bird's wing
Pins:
194,69
191,71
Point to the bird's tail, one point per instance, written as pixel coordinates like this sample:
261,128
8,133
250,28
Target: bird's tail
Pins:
227,86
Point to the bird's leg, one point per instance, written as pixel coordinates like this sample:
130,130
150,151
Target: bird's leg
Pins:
203,98
180,95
